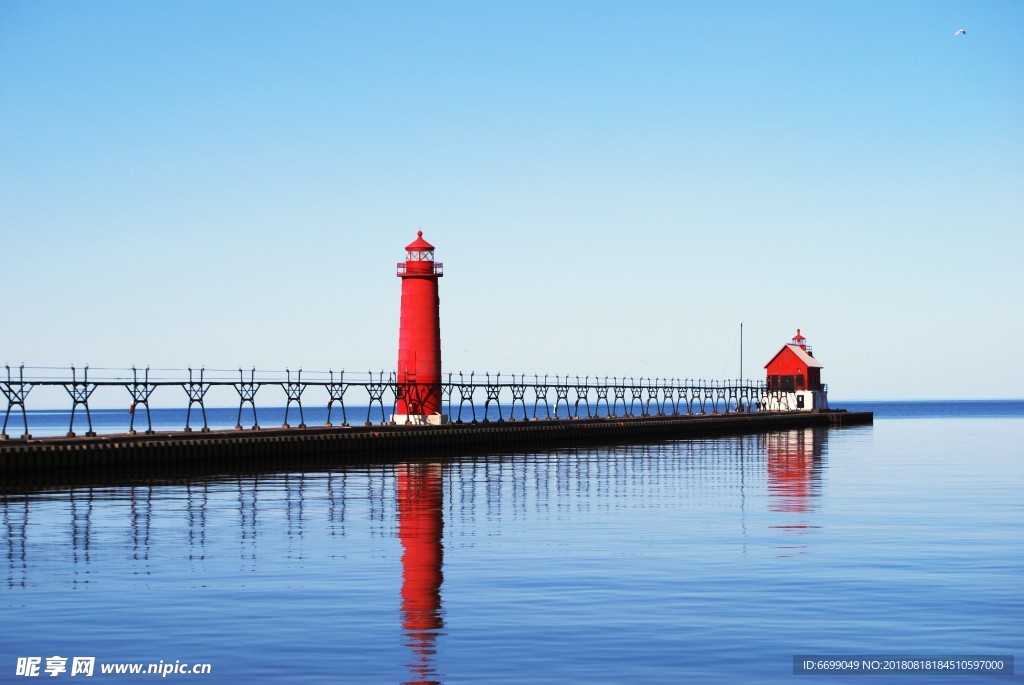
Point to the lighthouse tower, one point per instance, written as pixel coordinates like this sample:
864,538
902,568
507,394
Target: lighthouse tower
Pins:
419,337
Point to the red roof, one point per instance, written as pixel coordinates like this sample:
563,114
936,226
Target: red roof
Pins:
808,361
419,244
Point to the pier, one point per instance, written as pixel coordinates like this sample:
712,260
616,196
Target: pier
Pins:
489,412
241,449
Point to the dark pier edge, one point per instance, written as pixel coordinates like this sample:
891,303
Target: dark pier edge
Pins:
271,448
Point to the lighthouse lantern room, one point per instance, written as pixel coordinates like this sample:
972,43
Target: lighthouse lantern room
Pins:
418,378
794,378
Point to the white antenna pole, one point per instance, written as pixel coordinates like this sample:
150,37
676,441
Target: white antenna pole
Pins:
741,353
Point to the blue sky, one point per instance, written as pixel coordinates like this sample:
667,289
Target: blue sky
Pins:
612,187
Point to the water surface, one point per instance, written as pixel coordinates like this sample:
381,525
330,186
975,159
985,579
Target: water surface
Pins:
709,560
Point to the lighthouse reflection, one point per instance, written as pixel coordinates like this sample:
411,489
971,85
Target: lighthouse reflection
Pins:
420,529
794,468
794,465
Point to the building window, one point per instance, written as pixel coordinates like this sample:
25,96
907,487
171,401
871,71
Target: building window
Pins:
800,380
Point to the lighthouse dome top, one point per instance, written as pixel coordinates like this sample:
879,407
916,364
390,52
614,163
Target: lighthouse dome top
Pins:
419,260
419,245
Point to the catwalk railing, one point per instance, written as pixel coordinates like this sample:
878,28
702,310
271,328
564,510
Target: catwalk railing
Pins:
513,397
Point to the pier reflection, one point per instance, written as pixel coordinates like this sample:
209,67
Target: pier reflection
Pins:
488,491
760,490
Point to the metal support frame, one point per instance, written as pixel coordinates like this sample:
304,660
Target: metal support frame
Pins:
337,394
376,390
669,393
721,397
562,395
196,393
638,396
466,395
518,395
708,395
446,393
744,401
602,394
15,391
540,393
686,397
80,392
294,392
582,395
652,394
493,393
620,394
140,393
247,393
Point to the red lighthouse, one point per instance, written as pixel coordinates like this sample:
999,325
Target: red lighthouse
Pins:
419,337
794,378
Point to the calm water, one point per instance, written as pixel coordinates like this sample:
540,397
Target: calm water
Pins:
685,561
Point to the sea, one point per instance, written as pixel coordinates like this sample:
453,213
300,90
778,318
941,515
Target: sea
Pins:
887,553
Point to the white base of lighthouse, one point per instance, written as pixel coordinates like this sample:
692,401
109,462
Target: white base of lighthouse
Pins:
804,400
419,419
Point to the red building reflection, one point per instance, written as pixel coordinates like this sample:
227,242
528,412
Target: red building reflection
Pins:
794,468
420,529
794,481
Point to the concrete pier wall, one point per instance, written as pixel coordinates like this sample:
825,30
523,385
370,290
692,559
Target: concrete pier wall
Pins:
381,443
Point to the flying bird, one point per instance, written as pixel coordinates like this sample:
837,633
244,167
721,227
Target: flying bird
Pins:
960,32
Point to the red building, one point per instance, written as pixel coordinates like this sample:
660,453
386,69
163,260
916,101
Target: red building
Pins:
794,375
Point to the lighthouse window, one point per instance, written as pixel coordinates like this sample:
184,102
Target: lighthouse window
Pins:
420,256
